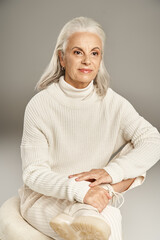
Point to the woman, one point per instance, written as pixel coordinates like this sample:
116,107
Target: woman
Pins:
72,129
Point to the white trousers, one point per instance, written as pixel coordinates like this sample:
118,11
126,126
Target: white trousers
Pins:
38,210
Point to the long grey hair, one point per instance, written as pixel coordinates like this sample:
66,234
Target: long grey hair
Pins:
54,70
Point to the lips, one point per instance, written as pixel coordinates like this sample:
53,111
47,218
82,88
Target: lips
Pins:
84,70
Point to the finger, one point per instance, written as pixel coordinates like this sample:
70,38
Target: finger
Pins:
97,182
106,200
76,175
92,173
107,194
100,180
99,205
85,177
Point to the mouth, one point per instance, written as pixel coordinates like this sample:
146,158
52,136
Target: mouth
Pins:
85,70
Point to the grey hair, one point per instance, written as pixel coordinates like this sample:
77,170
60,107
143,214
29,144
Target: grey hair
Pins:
54,70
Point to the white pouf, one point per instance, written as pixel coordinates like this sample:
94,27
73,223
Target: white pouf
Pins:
13,226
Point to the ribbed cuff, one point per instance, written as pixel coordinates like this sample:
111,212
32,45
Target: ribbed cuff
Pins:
115,171
80,190
137,182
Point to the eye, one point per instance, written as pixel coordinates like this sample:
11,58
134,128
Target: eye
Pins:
77,52
95,53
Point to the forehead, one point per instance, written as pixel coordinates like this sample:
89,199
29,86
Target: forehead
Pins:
84,39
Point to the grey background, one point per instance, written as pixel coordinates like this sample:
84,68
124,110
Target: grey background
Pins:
29,30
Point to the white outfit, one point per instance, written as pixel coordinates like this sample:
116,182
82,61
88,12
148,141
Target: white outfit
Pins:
69,130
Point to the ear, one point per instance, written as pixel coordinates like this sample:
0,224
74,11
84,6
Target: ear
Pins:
61,58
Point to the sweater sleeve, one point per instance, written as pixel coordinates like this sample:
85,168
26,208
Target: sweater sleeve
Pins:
37,172
146,146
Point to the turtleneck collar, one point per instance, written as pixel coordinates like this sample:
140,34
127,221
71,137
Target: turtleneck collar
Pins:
74,92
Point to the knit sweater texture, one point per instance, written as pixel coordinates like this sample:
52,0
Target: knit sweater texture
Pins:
68,130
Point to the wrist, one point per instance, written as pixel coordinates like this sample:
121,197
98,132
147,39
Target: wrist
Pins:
123,185
117,198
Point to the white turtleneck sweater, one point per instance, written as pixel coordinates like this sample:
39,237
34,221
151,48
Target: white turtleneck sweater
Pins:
76,93
69,130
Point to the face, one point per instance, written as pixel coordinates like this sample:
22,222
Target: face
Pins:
82,58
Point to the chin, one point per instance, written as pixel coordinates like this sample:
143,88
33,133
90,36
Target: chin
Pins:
85,79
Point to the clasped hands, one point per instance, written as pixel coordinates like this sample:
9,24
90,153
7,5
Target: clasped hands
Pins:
96,196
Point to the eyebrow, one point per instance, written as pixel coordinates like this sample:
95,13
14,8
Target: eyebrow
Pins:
82,49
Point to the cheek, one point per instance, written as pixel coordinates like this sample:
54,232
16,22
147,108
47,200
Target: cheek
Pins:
97,65
70,62
96,62
73,65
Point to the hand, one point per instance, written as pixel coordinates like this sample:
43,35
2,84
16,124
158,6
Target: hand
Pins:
97,197
97,175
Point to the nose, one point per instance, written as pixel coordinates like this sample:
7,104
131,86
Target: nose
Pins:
86,60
